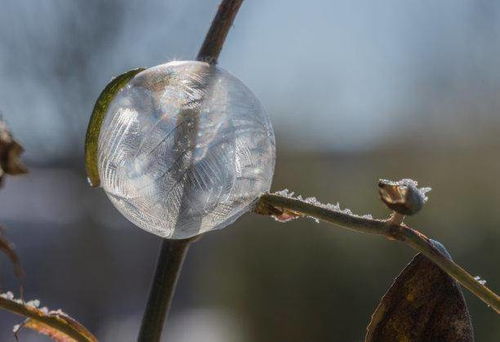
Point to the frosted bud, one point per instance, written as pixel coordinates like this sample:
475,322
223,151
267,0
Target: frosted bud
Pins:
184,148
403,196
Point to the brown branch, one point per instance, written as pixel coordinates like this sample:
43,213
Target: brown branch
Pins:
214,40
282,206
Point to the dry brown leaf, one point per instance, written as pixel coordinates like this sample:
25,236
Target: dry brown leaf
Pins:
10,164
423,305
10,150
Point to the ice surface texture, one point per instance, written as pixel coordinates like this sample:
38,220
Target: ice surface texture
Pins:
185,148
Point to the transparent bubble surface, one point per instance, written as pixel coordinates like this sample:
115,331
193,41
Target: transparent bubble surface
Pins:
185,148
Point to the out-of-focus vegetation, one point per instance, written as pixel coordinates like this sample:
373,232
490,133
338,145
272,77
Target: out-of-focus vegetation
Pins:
392,90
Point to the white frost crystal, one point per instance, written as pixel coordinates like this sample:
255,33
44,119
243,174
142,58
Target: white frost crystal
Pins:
479,280
7,295
185,148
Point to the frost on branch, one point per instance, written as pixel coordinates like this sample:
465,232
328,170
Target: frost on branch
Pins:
53,323
479,280
285,214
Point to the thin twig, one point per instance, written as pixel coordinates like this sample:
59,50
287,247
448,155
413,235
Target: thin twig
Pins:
285,206
214,40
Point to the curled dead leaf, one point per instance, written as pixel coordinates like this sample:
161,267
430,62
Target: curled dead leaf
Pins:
423,304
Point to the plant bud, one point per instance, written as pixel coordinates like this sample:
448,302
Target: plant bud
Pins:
402,196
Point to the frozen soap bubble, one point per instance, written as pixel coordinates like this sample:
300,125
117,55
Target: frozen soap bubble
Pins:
185,148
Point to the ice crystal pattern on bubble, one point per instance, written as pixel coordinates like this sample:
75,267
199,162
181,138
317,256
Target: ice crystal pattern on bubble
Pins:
185,148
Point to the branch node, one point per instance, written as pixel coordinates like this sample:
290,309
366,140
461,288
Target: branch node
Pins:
396,219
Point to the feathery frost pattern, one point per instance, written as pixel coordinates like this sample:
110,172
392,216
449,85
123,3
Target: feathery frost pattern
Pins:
185,148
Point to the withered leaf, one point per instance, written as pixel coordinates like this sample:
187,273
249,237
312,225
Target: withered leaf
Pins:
10,150
10,164
55,324
422,305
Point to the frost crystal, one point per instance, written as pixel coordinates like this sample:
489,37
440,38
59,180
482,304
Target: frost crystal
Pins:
479,280
34,303
285,193
314,219
58,312
411,183
312,200
315,202
185,148
7,295
423,191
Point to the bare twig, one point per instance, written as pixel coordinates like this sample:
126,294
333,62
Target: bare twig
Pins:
281,206
217,33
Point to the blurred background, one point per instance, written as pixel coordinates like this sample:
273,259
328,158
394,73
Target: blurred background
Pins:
357,91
